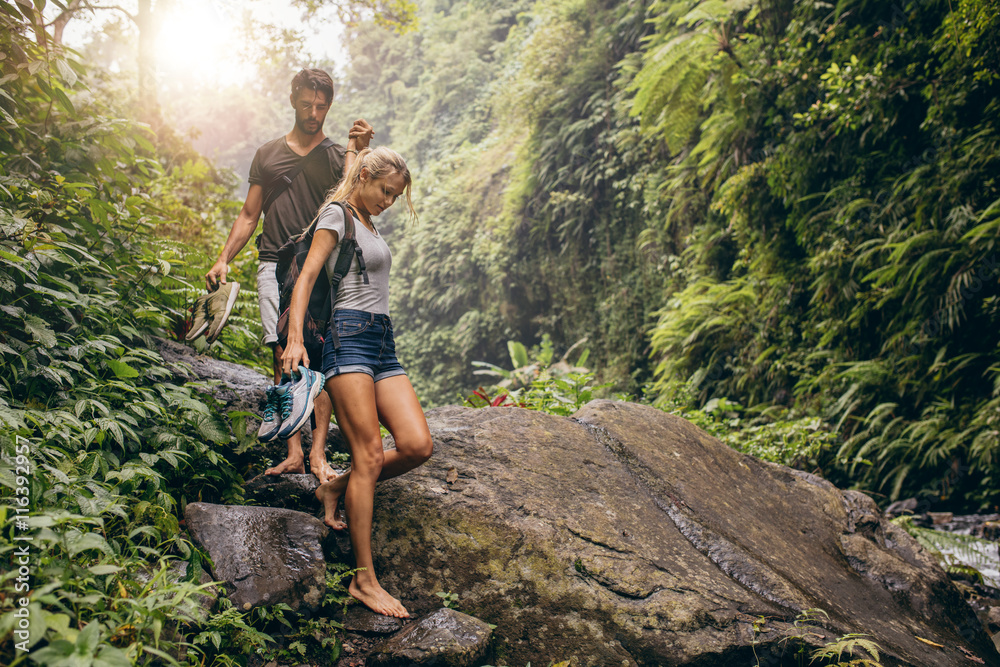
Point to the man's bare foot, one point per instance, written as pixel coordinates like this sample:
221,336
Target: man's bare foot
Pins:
378,600
293,465
329,494
321,468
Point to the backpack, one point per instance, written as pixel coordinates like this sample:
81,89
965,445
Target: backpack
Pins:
291,256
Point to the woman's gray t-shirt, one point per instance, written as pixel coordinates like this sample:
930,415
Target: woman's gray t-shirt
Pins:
353,293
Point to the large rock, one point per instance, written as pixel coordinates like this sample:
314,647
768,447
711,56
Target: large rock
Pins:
235,386
290,490
628,536
446,638
266,555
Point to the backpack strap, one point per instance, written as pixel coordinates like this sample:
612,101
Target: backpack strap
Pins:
279,184
349,249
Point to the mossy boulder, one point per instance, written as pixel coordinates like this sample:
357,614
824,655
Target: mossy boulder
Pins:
627,536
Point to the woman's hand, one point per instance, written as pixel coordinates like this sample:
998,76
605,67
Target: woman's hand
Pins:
294,355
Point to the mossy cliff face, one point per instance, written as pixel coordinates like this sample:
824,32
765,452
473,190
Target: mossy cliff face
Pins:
628,536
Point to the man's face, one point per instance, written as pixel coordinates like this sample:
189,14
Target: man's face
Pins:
310,110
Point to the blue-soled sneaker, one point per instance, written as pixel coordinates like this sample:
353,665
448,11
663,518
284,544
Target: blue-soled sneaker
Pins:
271,421
301,395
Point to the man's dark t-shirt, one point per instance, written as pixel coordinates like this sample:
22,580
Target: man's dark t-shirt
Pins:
294,208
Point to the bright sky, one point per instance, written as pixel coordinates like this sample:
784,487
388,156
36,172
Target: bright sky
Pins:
199,38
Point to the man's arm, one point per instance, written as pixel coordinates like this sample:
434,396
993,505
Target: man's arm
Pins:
243,229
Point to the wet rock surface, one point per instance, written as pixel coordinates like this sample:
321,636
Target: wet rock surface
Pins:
628,536
445,637
238,387
364,621
266,555
289,490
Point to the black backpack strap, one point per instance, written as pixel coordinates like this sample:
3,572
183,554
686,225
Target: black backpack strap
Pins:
281,182
349,249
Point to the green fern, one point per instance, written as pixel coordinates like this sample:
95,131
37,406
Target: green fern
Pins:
850,644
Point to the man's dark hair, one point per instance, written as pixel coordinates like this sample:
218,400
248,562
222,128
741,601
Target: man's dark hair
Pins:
313,79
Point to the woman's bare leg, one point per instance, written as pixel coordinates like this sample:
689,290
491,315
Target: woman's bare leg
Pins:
400,411
354,403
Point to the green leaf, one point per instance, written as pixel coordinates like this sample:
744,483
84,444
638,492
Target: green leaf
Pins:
89,638
104,569
78,542
518,354
211,428
39,331
66,72
121,369
110,656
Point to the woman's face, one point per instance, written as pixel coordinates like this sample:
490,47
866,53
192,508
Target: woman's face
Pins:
378,194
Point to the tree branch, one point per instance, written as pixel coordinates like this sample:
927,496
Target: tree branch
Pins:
76,7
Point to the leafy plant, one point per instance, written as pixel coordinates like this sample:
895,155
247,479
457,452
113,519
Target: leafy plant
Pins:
851,644
538,383
959,554
448,599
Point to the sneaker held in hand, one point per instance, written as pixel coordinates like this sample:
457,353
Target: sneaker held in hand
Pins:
271,421
300,395
220,304
200,323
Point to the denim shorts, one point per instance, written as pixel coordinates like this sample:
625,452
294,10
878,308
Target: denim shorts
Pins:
366,346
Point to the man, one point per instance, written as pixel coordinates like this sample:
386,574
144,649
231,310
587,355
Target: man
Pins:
288,214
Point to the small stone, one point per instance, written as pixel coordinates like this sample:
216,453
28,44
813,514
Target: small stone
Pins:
907,506
452,475
439,490
940,517
445,637
994,616
363,620
991,530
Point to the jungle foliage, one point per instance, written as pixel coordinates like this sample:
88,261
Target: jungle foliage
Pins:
791,206
777,218
101,444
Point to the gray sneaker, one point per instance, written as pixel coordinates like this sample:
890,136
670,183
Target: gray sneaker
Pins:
301,395
220,304
271,421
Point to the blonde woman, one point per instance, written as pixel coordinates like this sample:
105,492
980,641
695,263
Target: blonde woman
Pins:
363,378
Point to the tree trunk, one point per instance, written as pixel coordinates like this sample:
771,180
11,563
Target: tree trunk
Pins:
37,25
147,46
145,21
59,24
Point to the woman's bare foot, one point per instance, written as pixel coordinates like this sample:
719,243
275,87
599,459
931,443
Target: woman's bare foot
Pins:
329,494
292,464
377,599
321,468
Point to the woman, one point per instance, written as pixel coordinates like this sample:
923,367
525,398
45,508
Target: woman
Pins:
363,378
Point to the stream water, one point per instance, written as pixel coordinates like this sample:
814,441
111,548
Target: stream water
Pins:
984,557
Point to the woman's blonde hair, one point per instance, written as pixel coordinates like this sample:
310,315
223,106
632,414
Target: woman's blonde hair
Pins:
380,163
